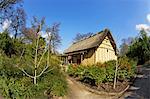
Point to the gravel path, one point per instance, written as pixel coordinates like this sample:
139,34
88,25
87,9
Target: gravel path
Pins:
141,86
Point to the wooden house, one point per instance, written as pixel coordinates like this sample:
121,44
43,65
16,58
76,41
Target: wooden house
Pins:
100,47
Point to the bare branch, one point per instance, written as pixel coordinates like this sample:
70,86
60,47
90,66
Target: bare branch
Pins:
44,71
41,58
49,70
22,54
26,73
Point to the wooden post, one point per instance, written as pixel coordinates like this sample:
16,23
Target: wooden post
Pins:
71,60
66,60
81,57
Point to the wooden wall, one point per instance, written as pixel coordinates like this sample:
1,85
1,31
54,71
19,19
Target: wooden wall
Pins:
89,57
105,52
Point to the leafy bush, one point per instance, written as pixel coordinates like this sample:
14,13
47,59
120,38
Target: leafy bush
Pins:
6,43
71,70
80,71
15,84
96,73
110,70
54,82
101,73
127,68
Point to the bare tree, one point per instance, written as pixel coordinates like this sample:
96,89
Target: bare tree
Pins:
37,63
80,36
33,32
7,3
55,40
38,57
18,21
117,65
13,11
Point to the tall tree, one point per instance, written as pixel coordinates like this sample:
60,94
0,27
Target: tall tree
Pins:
55,37
140,48
37,26
125,46
12,10
18,21
39,56
7,3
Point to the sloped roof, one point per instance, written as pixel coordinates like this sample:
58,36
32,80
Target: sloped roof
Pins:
91,42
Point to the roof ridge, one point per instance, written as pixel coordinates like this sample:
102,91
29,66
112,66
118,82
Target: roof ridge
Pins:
88,37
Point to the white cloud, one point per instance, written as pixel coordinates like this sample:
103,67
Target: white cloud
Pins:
148,17
145,27
6,24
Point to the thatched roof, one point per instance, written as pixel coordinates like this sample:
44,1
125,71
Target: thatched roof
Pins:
91,42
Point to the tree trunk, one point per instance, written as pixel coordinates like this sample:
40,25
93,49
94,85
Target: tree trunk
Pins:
115,79
35,77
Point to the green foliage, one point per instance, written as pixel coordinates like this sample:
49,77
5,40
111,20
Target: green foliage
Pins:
54,83
15,84
11,46
127,68
96,73
79,71
140,48
123,74
102,73
110,70
28,69
71,70
6,43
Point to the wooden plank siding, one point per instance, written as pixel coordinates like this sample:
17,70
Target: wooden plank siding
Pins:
100,47
105,51
89,57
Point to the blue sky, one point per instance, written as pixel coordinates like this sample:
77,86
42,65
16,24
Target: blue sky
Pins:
82,16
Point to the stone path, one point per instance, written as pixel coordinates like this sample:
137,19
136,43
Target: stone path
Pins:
141,86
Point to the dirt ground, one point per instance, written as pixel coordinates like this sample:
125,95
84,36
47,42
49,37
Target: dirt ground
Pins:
77,91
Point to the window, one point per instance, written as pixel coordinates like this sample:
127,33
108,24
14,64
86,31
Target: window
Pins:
107,50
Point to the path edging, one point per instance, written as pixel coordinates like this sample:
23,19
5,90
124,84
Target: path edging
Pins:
100,92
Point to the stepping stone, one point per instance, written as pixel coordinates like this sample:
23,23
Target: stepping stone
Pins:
134,88
140,76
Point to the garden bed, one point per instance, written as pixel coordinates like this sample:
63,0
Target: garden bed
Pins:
100,77
107,92
106,87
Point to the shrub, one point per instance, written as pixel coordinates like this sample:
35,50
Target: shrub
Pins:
97,73
6,43
127,68
110,70
71,70
80,71
101,73
15,84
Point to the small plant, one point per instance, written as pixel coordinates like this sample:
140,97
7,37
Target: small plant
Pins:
102,73
32,71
